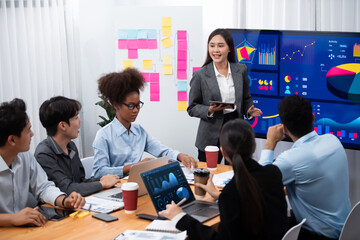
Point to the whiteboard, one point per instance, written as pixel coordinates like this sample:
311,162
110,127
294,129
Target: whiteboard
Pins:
162,120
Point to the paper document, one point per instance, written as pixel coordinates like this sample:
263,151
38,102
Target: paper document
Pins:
102,205
146,235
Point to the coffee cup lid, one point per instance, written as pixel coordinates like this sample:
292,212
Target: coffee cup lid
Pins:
211,149
201,172
129,186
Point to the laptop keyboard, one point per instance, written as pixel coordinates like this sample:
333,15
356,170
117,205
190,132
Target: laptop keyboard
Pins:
200,209
117,195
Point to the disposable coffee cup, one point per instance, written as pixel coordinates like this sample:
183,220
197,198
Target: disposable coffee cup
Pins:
201,175
130,196
211,153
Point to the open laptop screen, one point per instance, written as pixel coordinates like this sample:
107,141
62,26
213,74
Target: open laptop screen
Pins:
165,184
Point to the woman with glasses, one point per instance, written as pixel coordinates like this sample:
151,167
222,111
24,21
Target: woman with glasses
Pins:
121,143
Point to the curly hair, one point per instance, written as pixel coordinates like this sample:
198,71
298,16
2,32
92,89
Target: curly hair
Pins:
114,87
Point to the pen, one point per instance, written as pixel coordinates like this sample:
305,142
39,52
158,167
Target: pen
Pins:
181,202
78,212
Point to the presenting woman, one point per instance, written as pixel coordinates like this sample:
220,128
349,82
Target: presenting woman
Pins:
220,79
252,205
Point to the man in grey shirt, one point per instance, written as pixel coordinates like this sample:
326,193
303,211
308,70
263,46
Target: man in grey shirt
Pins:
20,173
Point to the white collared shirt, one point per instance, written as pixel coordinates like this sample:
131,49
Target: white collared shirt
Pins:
226,86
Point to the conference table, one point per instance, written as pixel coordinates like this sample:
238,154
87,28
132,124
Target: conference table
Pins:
91,228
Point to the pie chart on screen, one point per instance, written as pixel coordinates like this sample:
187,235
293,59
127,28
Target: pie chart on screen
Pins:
344,81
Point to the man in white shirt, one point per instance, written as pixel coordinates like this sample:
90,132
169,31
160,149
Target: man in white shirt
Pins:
20,172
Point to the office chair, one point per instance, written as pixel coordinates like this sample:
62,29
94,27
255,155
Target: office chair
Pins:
88,163
351,229
293,233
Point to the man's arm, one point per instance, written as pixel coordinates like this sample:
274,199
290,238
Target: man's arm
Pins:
25,216
274,135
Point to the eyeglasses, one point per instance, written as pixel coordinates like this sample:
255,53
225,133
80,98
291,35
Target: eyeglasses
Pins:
131,106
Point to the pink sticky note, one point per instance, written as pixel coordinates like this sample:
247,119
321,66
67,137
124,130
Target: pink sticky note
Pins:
181,34
181,74
154,88
132,44
132,53
152,43
196,68
142,43
154,77
182,96
182,44
146,76
182,55
181,65
122,43
154,97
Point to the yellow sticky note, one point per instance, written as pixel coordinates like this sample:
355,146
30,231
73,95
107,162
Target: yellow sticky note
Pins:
167,59
166,42
182,105
83,214
127,64
166,31
147,64
167,69
166,21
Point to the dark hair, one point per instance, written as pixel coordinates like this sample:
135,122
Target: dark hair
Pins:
13,119
237,139
296,114
114,87
55,110
229,41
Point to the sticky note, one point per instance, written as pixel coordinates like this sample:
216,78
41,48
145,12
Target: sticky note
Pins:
166,31
166,22
182,55
146,76
167,59
132,53
142,34
147,64
132,44
122,34
166,42
132,33
181,86
151,33
154,77
196,68
167,69
127,64
154,88
182,96
181,34
155,97
152,43
142,43
182,105
122,44
181,65
182,44
181,74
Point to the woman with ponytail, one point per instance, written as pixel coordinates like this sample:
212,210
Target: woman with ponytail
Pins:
252,205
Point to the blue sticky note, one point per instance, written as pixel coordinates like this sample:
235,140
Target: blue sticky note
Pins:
132,34
182,85
122,34
142,34
152,34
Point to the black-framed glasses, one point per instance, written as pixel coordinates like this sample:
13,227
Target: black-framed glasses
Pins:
131,106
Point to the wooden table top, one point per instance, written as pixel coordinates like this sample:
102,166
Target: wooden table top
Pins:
91,228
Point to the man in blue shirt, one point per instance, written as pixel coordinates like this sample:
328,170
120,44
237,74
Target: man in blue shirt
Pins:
314,169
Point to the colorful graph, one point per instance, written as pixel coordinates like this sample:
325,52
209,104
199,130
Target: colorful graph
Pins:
344,81
166,185
267,55
245,53
182,192
327,125
290,57
356,52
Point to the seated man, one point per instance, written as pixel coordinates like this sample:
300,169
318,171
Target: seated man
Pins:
314,170
20,173
58,155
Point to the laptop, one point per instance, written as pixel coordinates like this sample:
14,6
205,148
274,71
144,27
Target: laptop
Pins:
115,194
167,183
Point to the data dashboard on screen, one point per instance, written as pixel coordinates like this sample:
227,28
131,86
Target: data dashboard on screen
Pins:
323,67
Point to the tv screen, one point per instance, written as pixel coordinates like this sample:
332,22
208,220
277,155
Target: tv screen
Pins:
323,67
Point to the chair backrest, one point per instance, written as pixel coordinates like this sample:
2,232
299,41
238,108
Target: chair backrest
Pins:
293,233
351,229
88,163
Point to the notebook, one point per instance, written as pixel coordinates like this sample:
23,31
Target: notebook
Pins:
162,226
167,183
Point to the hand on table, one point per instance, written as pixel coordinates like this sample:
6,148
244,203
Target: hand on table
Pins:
109,181
28,216
187,160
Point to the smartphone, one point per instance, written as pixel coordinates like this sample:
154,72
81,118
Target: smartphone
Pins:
54,214
105,217
150,217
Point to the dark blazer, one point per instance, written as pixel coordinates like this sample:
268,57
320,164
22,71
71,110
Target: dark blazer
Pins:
204,87
232,217
66,171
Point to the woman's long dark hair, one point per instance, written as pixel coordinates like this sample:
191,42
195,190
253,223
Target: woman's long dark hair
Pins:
237,139
229,41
